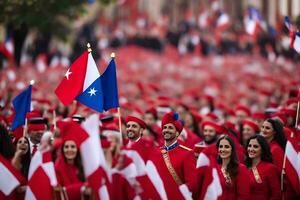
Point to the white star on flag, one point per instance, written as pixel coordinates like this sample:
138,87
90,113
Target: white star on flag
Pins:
68,74
92,92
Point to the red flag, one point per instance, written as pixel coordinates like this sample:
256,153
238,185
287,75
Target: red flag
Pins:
94,164
41,177
292,167
209,178
72,84
10,178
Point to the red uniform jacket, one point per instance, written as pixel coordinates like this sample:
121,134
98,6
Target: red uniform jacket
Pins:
269,187
184,163
143,147
239,189
67,176
277,155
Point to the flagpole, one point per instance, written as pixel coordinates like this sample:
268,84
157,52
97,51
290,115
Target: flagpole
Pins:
292,135
25,128
89,47
31,82
54,121
113,55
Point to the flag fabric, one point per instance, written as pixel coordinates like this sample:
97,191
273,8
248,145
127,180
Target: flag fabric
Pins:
72,84
253,21
222,21
296,43
21,105
91,95
94,164
295,36
110,87
287,23
9,44
209,178
87,140
83,82
41,176
10,178
292,167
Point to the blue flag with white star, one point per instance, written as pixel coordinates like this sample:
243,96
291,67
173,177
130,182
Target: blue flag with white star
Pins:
92,95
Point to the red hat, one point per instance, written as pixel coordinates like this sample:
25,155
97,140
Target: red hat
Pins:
219,129
172,118
281,117
212,116
245,109
292,100
259,115
137,120
153,111
252,124
70,130
105,143
37,124
289,111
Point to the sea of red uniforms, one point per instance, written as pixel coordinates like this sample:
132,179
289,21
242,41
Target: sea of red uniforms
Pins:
205,87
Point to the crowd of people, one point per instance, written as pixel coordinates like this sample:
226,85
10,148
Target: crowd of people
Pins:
200,117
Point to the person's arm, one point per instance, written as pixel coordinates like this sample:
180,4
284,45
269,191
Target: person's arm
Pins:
242,183
273,182
190,173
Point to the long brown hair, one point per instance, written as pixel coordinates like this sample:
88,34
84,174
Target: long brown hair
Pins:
77,162
232,167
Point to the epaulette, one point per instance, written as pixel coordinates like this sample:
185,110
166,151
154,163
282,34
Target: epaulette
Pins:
186,148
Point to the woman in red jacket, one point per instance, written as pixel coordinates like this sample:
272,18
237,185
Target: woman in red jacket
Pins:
272,130
234,176
264,177
69,170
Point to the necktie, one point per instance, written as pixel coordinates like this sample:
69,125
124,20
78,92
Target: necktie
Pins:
34,149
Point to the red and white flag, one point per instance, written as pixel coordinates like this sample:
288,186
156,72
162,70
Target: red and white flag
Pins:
41,176
94,164
10,178
292,167
210,181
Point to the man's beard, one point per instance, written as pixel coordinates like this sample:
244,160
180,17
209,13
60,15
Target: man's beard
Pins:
212,140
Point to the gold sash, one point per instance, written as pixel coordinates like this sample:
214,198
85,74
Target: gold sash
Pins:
226,176
170,167
256,175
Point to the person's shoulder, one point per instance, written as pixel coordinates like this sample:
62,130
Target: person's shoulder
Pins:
267,166
242,167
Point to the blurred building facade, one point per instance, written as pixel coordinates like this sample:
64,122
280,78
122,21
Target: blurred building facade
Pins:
270,9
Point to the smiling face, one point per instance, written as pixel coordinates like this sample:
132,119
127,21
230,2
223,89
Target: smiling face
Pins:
267,130
224,149
209,134
22,145
133,130
248,132
170,133
70,150
254,149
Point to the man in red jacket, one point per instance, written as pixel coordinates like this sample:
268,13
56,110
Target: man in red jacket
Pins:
175,163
